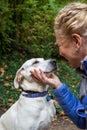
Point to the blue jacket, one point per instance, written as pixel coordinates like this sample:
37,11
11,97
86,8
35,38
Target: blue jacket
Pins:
72,106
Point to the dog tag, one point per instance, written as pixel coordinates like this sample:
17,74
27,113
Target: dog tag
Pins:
48,98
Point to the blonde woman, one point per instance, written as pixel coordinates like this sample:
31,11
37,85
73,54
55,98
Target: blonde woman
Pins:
71,39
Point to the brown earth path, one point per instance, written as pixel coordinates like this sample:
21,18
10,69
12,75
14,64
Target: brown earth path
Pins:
63,123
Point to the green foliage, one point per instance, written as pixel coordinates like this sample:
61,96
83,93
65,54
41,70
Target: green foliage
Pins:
29,23
39,28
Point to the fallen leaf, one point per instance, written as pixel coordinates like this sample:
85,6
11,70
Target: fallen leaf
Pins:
10,100
62,113
8,76
6,84
2,71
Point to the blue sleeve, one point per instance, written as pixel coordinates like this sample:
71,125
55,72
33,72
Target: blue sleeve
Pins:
71,105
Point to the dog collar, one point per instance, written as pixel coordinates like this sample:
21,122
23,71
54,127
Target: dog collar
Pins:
35,95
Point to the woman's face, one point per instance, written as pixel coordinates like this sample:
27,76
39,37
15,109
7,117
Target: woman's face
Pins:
69,50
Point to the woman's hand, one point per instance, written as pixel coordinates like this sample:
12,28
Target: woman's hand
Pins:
46,78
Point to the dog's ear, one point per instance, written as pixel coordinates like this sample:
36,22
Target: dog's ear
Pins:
16,83
18,79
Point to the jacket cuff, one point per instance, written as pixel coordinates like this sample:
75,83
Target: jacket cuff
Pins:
60,91
81,112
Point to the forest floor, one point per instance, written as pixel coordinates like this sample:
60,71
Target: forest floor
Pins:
62,123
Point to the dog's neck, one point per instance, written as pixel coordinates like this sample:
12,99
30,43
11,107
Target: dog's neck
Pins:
33,86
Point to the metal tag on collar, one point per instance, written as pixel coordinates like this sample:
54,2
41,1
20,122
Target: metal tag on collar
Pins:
48,98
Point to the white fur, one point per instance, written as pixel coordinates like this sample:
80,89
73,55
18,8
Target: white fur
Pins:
29,113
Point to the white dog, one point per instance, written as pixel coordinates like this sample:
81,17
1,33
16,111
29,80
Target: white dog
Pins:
33,110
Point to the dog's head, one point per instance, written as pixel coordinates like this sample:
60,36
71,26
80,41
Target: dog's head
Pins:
23,75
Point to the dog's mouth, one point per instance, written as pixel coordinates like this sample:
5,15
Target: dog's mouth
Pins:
50,71
48,74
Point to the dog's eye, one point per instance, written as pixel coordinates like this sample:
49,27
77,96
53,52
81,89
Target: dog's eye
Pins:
35,62
22,69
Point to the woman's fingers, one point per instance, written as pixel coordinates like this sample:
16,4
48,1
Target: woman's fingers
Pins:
43,77
36,74
50,79
39,75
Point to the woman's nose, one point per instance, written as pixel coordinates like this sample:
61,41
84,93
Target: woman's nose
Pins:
60,53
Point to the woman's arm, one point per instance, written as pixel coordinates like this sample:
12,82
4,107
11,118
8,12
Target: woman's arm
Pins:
70,105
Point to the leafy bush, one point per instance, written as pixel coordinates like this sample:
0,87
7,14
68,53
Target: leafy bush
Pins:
29,24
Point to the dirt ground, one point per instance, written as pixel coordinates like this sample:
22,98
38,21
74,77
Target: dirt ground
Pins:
60,123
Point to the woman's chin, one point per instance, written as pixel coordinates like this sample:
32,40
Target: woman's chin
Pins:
74,65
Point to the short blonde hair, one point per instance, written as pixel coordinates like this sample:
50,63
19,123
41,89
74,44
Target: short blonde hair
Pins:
72,19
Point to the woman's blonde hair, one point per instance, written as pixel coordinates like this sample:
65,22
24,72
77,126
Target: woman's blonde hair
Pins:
72,19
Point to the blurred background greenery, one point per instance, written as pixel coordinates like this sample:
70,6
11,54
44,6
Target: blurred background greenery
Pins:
26,31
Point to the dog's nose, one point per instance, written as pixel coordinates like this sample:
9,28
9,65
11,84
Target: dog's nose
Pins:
53,62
